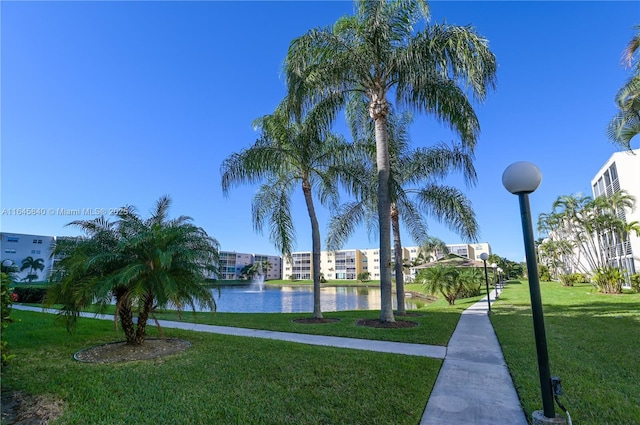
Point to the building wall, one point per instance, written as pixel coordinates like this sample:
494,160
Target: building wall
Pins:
232,263
622,172
348,264
16,247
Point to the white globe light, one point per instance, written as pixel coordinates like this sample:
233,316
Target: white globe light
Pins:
521,177
484,256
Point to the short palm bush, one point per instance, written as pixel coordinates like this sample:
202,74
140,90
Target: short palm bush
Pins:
451,282
608,280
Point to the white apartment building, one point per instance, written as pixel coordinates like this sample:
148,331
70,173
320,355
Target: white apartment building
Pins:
232,263
31,252
622,172
347,264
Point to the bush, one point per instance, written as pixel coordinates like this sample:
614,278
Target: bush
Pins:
6,296
468,292
545,276
635,282
364,276
30,295
608,280
571,279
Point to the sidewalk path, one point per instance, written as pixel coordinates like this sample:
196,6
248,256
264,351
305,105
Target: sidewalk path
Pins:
474,385
409,349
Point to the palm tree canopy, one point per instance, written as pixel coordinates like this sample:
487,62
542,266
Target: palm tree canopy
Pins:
149,262
423,168
379,52
625,125
288,153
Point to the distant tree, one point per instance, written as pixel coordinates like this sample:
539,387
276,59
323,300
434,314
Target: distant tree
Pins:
364,276
33,265
140,263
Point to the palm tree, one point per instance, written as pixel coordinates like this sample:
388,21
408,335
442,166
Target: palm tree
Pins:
435,246
378,53
290,151
142,264
625,125
441,279
33,265
423,167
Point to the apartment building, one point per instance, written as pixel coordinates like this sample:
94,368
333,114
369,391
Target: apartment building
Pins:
232,263
32,253
349,263
621,172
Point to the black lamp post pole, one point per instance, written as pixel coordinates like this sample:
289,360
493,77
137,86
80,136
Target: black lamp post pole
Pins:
536,307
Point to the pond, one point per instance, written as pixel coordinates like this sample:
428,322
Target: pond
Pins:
298,299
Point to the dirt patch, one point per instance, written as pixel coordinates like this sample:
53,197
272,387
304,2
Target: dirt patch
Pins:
376,323
151,348
313,321
19,408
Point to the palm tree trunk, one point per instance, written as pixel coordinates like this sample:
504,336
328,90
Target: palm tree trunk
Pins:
315,252
143,316
397,250
378,110
126,319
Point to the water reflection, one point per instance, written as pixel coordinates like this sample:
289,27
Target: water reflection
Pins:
298,299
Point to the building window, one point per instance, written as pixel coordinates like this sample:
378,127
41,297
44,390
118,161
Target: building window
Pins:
9,251
12,239
35,251
37,241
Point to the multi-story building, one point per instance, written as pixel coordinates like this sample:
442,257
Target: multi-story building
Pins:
274,271
31,253
621,172
232,263
349,263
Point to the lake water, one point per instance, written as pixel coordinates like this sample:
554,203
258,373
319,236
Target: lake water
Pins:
298,299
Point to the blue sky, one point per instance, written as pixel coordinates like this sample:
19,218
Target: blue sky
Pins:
112,103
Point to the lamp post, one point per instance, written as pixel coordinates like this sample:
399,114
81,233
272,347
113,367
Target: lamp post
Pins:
484,256
522,178
494,266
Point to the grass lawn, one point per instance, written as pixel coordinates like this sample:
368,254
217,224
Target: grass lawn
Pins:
594,347
219,380
436,323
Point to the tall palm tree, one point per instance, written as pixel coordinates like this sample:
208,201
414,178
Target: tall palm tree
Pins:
435,246
142,264
422,168
376,54
291,151
625,125
33,265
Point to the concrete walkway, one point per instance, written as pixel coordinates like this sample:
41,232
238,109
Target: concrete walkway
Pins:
473,387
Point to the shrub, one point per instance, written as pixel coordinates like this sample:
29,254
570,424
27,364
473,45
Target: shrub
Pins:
635,282
545,276
364,276
566,279
30,295
608,280
6,296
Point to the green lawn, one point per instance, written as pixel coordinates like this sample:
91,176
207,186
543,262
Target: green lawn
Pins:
594,347
219,380
593,340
